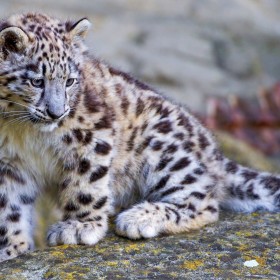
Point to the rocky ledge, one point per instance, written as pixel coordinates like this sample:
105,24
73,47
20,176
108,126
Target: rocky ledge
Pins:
218,251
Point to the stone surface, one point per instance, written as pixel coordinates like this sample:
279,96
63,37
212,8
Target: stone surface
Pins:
217,251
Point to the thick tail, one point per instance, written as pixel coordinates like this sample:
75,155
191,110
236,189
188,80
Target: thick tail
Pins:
249,190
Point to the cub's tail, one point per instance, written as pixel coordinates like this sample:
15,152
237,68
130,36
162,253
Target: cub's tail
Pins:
249,190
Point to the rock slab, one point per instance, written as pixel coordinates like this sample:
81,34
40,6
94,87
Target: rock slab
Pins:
218,251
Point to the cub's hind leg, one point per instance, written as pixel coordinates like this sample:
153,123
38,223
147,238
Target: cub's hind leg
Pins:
171,208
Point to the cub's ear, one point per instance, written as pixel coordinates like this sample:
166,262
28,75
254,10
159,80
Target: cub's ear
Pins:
79,29
13,39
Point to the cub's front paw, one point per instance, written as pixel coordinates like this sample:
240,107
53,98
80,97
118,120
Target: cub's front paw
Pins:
75,232
135,223
18,247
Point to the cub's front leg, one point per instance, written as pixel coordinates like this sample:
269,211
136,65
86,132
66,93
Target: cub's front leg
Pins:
17,196
85,197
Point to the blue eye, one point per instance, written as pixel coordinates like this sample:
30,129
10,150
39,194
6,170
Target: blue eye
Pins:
38,83
70,82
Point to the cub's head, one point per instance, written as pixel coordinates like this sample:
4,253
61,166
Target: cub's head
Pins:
39,68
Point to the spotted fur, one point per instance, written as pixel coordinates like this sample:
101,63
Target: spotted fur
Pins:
107,142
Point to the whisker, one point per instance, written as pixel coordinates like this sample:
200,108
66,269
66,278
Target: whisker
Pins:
23,120
17,115
13,112
3,99
6,112
14,120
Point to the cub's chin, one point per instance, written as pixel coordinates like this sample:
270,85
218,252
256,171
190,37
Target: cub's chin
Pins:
48,127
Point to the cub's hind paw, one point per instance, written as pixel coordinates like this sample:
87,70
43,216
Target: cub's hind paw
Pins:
75,232
15,249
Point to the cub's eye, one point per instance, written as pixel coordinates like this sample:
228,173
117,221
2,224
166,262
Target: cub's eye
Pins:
70,82
39,83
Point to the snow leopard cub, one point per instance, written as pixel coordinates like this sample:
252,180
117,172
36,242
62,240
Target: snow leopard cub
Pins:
106,142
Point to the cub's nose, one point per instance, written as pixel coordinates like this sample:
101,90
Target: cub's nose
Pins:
54,115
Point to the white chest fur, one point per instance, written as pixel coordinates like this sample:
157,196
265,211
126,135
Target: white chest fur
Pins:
30,151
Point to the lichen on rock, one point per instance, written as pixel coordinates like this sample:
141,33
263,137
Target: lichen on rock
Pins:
217,251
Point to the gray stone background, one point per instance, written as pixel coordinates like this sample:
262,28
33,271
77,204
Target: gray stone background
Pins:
189,49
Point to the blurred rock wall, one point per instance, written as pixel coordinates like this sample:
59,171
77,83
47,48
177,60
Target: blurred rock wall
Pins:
188,49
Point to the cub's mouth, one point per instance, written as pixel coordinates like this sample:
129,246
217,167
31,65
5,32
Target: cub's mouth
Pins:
38,116
42,124
39,120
